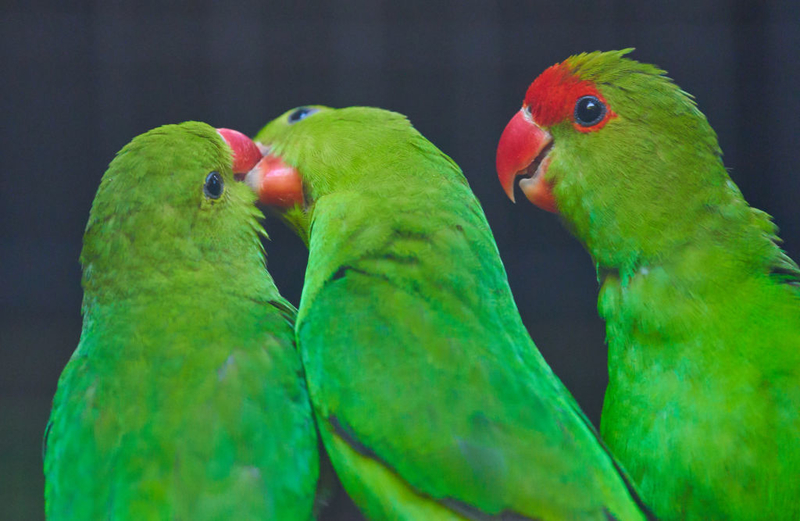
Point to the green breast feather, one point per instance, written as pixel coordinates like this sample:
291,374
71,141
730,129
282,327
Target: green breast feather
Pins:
185,398
702,306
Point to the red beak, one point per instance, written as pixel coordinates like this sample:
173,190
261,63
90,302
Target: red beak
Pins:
245,153
276,183
522,151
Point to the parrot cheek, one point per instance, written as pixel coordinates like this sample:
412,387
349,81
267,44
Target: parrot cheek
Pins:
538,190
276,183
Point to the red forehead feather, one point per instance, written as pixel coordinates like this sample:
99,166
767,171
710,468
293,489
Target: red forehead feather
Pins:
552,96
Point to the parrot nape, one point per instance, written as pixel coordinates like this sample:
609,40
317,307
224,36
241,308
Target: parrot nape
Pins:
185,398
702,307
430,396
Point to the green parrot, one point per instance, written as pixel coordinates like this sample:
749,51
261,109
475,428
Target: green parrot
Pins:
185,398
702,307
430,396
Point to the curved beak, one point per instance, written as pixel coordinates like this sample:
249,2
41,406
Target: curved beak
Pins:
276,183
245,153
522,151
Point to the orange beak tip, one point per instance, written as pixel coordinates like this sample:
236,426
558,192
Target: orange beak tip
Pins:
276,183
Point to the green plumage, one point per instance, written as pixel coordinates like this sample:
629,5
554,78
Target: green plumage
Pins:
185,398
702,306
432,400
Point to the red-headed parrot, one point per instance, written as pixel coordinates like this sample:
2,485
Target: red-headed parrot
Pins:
702,307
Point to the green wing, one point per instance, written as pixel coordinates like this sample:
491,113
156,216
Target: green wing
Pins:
432,399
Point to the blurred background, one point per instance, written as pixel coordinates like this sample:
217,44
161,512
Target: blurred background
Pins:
80,79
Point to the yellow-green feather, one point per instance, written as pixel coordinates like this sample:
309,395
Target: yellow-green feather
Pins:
433,401
185,398
702,306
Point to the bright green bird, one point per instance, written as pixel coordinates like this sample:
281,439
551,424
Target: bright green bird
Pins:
185,398
431,398
702,307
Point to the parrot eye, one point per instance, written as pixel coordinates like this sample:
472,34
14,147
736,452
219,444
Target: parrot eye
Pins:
300,114
589,111
214,185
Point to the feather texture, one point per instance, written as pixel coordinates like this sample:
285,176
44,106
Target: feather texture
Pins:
433,401
185,398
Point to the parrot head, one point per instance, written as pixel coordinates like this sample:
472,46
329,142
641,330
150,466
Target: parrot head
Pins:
169,199
313,151
614,147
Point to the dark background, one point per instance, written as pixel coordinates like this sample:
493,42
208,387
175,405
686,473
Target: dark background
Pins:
80,79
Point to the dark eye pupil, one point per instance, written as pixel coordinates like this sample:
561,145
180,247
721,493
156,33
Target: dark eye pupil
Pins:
300,113
589,111
214,185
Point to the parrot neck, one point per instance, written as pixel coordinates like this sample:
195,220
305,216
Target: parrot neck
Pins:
729,255
726,243
715,222
666,268
167,317
119,270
